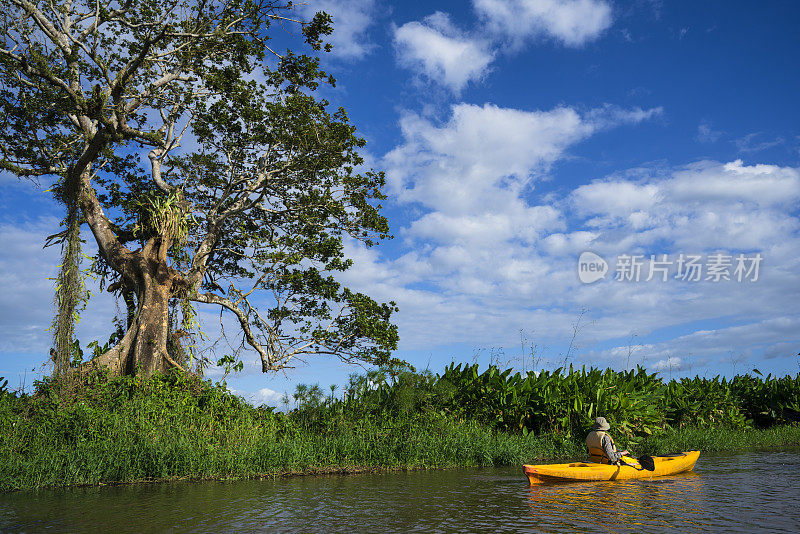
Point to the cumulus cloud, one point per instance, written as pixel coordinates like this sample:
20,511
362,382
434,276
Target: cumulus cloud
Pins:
453,58
267,396
486,257
351,22
484,156
441,52
570,22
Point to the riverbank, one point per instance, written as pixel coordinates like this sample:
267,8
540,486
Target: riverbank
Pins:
179,427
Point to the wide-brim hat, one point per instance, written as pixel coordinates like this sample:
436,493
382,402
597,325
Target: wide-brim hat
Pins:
601,424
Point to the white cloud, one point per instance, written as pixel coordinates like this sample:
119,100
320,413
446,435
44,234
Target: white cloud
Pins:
25,269
26,310
571,22
751,143
441,52
703,205
453,58
764,185
351,22
728,345
483,157
756,333
672,364
572,244
608,115
267,396
263,396
616,197
706,134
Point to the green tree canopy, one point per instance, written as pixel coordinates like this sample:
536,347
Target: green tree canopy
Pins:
251,215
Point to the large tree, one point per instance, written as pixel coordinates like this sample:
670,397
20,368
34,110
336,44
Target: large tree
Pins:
251,218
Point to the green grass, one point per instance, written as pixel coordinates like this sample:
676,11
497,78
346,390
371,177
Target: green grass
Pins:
175,426
722,439
125,446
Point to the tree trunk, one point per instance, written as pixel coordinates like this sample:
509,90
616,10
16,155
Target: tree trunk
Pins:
152,324
143,348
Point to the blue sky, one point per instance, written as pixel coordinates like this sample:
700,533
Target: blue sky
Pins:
515,135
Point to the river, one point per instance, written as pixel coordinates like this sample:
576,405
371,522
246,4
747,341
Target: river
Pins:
751,492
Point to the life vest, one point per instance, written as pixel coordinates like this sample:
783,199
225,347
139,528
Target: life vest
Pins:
594,442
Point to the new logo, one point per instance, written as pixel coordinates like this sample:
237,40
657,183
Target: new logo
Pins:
591,267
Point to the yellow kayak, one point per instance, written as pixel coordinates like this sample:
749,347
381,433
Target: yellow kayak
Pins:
664,465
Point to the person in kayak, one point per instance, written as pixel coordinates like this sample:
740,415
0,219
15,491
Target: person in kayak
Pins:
601,446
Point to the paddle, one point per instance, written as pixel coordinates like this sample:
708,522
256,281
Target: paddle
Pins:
646,463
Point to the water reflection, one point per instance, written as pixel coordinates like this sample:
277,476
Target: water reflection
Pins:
624,506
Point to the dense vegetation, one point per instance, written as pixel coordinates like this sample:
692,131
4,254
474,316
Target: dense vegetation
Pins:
637,402
175,425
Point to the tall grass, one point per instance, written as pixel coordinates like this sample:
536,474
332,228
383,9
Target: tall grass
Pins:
721,439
